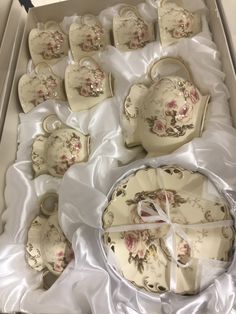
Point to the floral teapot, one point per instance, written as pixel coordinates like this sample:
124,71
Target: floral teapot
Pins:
167,114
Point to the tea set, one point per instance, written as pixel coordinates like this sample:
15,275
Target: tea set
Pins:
161,114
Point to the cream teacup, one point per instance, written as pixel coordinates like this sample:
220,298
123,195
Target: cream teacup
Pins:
130,30
39,86
49,44
87,36
175,22
87,84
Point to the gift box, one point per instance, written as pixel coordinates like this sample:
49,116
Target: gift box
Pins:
89,283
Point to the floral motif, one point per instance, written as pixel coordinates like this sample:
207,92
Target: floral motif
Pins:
140,35
161,196
53,48
65,254
94,38
45,90
183,252
159,126
141,245
73,145
62,260
92,86
182,26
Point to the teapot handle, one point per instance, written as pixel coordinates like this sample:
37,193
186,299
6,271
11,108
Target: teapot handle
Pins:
164,67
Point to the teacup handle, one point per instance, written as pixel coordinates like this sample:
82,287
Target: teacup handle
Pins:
155,75
88,19
177,2
128,11
51,25
88,61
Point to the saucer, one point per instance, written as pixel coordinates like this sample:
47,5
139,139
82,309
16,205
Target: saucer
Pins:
48,44
87,36
54,154
141,253
130,30
87,84
37,87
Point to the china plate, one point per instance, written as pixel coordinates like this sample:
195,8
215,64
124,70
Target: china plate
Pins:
142,255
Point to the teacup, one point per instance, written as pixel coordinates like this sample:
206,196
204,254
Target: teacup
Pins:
54,154
47,248
175,22
49,44
87,36
168,114
86,84
130,30
39,86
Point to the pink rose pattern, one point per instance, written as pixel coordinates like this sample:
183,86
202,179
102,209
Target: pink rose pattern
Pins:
93,84
182,27
140,36
94,39
45,91
53,45
63,259
173,123
74,146
183,252
142,244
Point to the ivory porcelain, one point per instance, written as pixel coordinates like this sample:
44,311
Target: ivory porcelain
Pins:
48,43
141,254
130,30
54,154
164,115
87,36
87,84
39,86
175,22
47,248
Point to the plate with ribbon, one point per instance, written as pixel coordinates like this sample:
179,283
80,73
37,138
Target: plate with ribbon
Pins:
163,225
